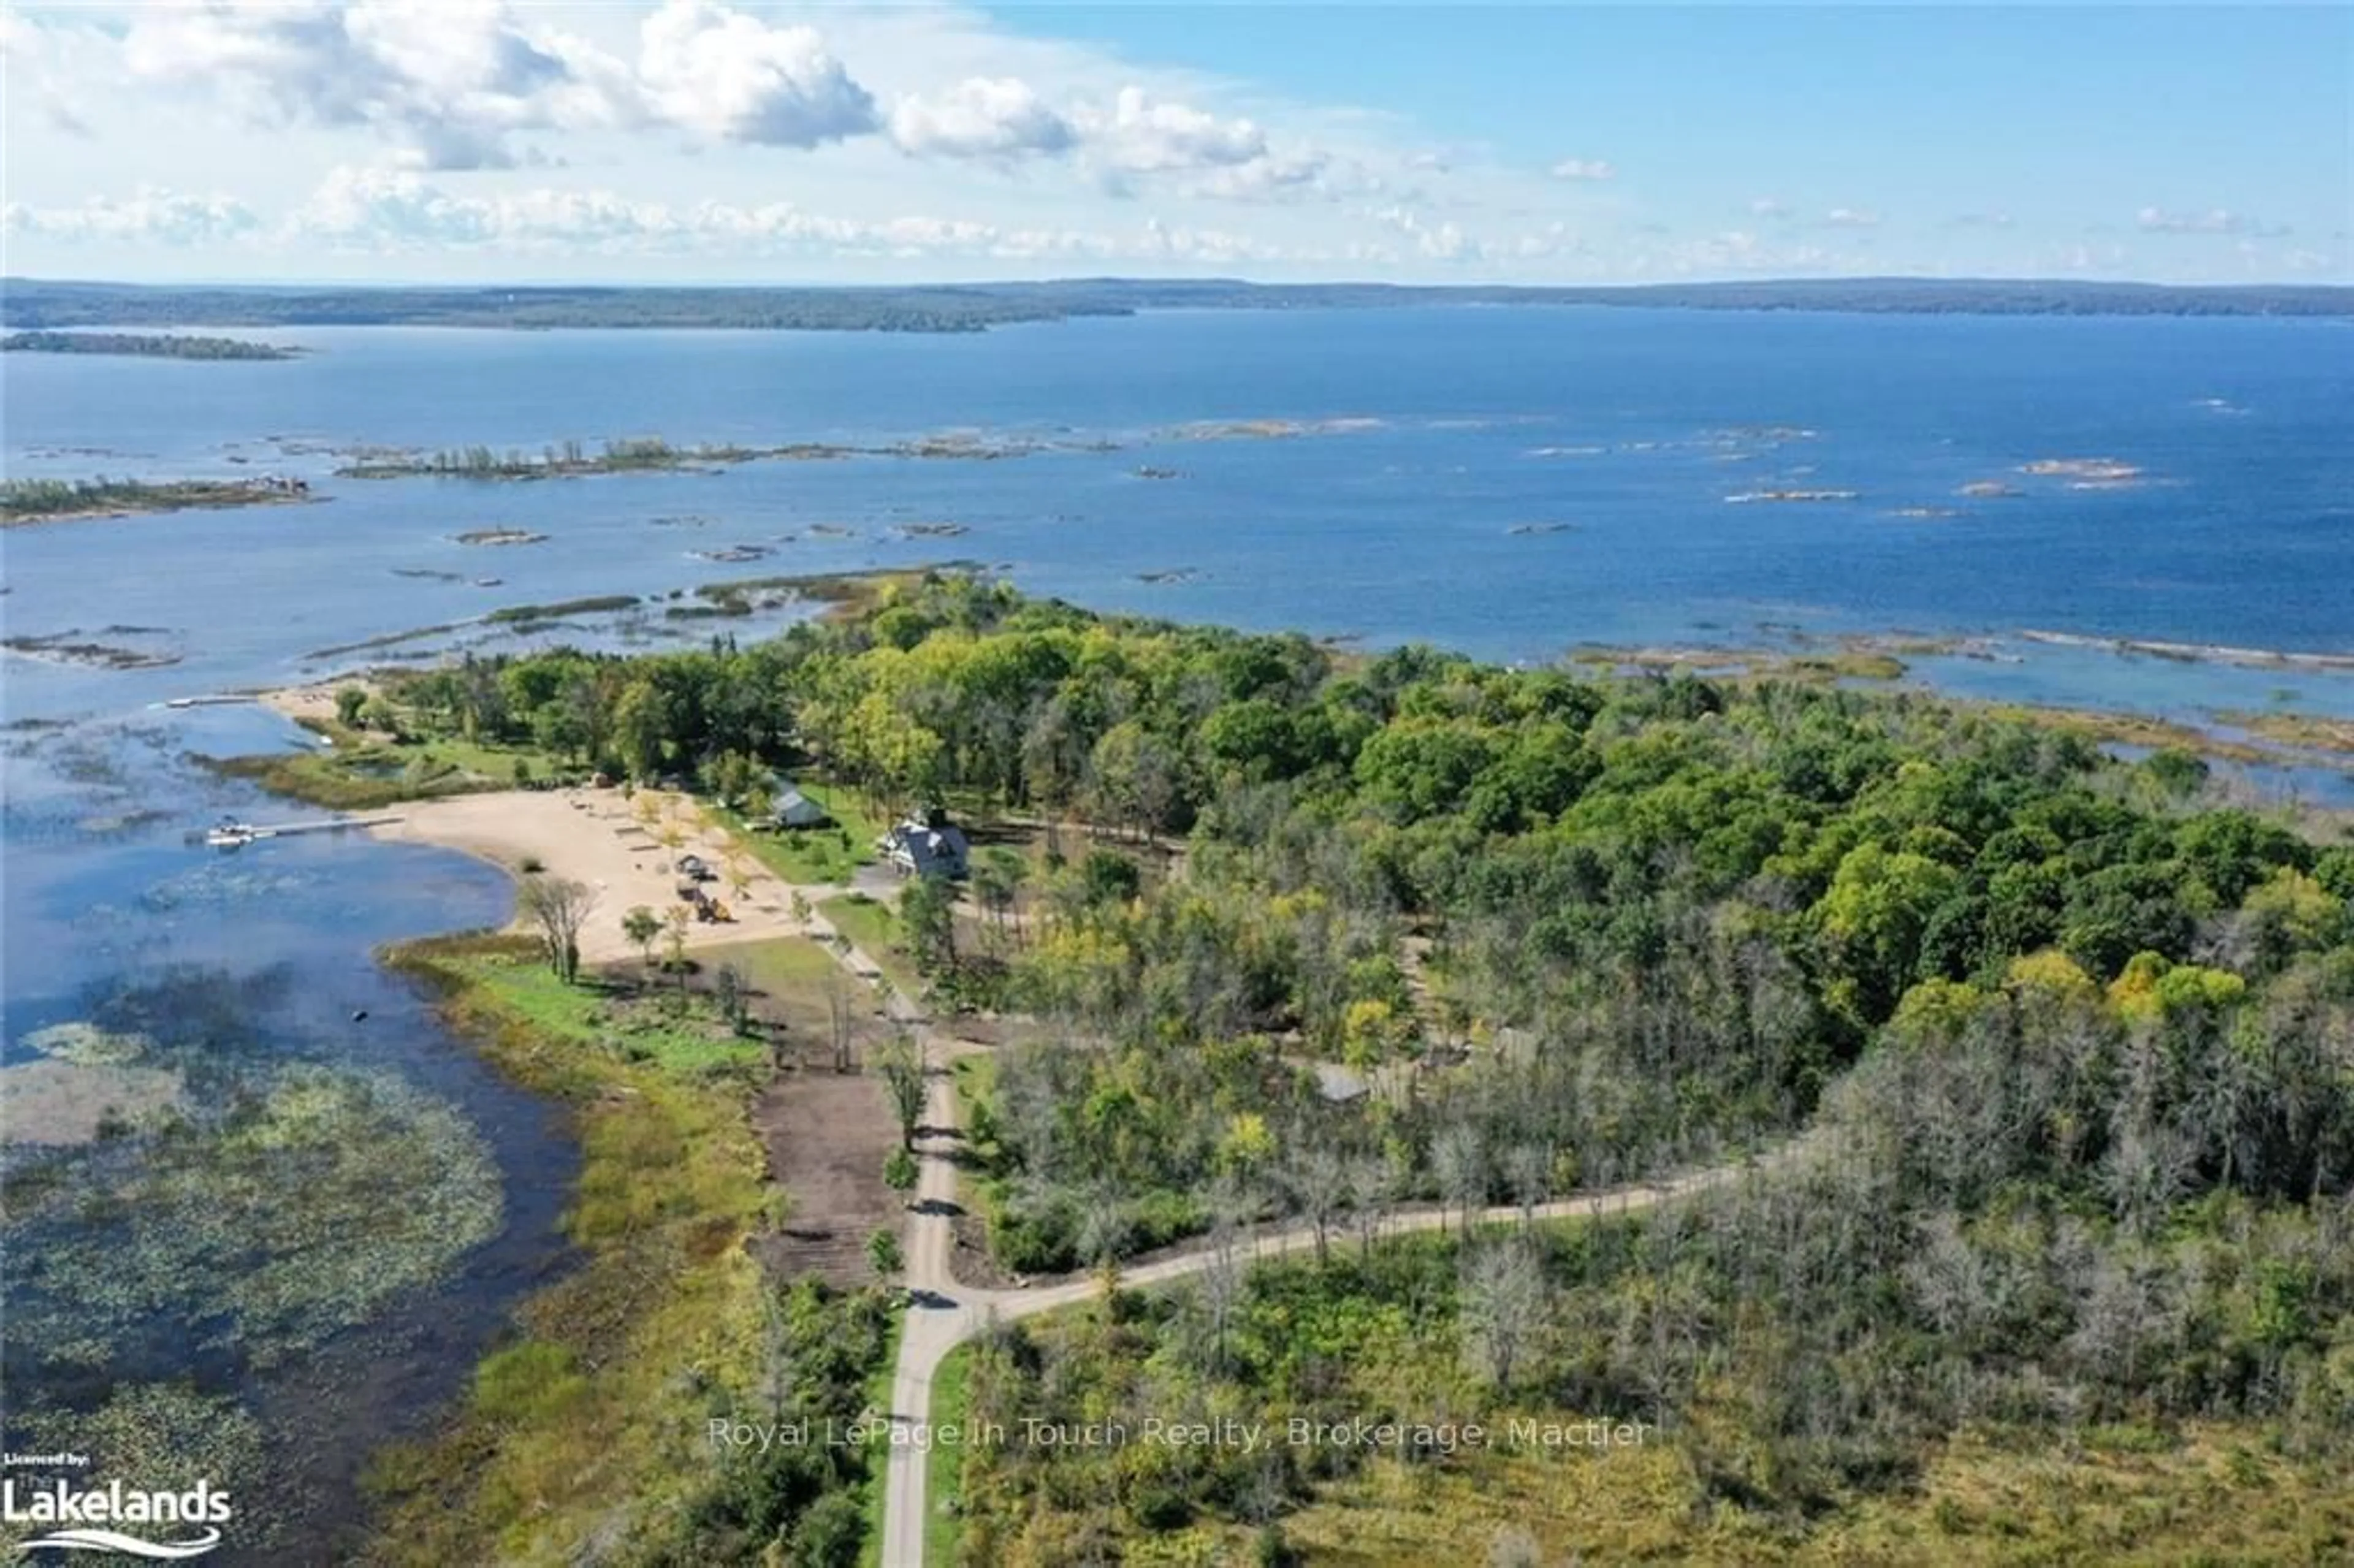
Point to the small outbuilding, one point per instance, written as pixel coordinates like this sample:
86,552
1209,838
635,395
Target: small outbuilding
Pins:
794,810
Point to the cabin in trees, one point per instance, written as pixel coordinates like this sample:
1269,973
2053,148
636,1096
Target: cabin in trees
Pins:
925,845
795,810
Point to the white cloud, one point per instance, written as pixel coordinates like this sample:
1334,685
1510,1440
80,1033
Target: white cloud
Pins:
1443,241
2216,221
450,82
61,117
1584,169
981,117
1139,135
151,218
447,82
1980,220
1555,240
733,77
2088,258
1297,174
1736,253
1129,139
383,210
1851,218
1766,207
368,206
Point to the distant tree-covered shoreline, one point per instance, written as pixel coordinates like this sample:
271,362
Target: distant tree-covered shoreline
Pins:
37,304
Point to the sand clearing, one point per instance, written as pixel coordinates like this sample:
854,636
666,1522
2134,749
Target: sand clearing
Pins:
312,702
594,836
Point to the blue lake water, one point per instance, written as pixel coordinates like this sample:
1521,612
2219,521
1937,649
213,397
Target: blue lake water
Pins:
1513,483
1439,431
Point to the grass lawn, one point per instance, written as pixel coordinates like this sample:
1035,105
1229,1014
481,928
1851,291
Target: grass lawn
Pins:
811,856
975,1078
779,965
789,976
951,1393
652,1028
364,770
874,928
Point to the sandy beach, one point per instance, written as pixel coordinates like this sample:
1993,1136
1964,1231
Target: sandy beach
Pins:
596,838
312,702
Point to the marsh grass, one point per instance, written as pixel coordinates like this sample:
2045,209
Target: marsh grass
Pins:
588,1425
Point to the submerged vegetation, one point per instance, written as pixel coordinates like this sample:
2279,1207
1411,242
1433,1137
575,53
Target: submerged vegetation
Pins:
267,1218
273,1189
563,610
164,1435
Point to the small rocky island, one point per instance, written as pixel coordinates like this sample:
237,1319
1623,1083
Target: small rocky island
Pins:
25,502
144,345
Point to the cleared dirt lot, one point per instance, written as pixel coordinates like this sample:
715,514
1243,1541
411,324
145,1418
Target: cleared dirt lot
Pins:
826,1133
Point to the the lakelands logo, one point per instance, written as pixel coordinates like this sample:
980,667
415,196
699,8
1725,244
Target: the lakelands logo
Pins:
88,1519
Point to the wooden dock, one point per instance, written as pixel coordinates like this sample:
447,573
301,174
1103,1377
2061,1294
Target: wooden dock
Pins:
334,825
236,835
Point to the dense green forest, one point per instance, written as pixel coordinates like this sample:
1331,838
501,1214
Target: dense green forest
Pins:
2046,1060
30,303
170,345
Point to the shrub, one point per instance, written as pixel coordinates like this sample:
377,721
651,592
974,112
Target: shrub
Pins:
883,1251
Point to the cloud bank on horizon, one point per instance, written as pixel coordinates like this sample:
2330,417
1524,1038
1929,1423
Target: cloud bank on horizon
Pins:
681,140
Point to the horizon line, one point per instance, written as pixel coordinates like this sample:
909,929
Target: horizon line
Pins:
1163,280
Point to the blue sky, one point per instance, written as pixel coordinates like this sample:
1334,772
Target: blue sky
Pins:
691,139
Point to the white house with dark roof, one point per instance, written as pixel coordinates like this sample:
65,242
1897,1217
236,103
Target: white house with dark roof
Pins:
917,847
